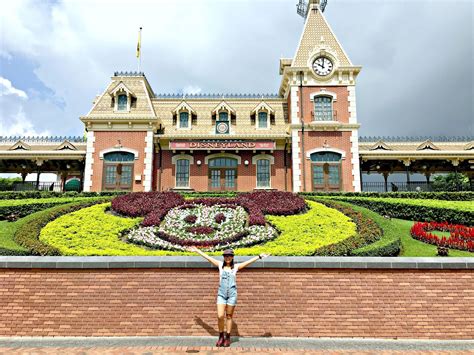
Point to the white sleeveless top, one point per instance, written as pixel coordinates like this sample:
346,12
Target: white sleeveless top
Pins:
234,270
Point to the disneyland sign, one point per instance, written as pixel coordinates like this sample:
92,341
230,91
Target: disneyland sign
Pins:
222,145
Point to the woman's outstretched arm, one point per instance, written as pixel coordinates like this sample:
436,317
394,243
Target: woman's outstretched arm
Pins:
213,261
250,261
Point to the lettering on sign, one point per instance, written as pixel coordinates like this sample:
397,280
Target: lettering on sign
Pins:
222,145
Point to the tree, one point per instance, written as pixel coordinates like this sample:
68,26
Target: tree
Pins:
451,182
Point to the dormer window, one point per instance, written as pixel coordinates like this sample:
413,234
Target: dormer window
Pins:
323,108
122,102
183,119
262,119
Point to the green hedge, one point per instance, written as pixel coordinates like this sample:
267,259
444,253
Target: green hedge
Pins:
390,242
28,231
18,195
460,212
15,209
449,196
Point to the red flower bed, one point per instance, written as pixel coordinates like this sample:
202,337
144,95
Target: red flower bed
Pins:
277,203
461,237
153,205
219,218
200,230
190,218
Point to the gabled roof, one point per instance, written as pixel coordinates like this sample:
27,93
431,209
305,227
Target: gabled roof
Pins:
380,144
20,145
428,144
223,106
121,87
66,145
262,105
183,106
317,34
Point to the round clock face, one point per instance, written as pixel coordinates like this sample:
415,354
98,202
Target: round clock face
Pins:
222,127
322,66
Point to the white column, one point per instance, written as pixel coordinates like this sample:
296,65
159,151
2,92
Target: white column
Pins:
89,161
295,140
354,139
148,161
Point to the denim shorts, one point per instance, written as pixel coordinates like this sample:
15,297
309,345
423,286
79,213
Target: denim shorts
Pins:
231,300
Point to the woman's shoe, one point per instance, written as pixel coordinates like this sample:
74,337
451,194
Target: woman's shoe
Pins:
220,342
227,340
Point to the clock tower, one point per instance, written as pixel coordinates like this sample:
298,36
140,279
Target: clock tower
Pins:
318,84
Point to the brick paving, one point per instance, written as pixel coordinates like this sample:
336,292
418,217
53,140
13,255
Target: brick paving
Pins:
149,350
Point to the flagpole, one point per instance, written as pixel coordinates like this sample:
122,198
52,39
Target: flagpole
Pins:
139,49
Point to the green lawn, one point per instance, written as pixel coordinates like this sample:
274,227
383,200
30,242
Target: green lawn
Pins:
7,230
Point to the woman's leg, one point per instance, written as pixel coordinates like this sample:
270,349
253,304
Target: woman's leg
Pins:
220,317
230,313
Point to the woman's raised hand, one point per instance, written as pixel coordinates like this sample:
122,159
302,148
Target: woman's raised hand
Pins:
192,249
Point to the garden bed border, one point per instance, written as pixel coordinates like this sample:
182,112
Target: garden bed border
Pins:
285,262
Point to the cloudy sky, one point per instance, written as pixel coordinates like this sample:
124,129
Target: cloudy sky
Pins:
55,56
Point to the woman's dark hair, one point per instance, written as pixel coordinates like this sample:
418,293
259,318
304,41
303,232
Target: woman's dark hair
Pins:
231,263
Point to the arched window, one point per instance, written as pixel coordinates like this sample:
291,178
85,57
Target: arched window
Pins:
118,171
323,108
183,119
326,171
263,173
182,173
262,119
122,102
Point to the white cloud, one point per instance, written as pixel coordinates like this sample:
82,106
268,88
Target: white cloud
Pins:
18,125
6,88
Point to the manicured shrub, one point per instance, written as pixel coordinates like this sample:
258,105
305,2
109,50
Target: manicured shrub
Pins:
460,212
449,196
27,234
12,210
219,218
20,195
367,232
190,218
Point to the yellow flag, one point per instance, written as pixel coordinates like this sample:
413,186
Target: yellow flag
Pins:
139,44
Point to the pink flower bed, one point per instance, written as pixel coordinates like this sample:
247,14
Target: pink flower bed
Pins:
461,237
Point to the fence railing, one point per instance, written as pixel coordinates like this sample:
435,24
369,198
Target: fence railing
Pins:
404,186
31,186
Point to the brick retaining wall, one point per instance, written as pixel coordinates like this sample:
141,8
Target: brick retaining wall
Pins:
308,297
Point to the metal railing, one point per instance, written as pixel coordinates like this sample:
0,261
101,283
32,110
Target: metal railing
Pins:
324,116
32,186
414,186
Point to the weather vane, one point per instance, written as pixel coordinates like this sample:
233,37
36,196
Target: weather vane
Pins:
302,7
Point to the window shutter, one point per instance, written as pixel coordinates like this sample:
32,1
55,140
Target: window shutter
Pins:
133,103
214,119
233,119
194,119
112,103
272,119
175,119
252,119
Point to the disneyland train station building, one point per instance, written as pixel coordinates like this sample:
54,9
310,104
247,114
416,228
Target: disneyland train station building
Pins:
305,138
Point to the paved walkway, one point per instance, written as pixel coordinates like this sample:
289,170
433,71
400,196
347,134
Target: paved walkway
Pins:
204,345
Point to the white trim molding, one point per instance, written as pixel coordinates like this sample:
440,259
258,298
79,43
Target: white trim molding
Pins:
89,161
263,156
176,157
122,149
323,92
356,183
352,104
324,149
223,155
296,160
148,161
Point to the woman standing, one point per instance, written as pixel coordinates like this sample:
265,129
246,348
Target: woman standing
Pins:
227,293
